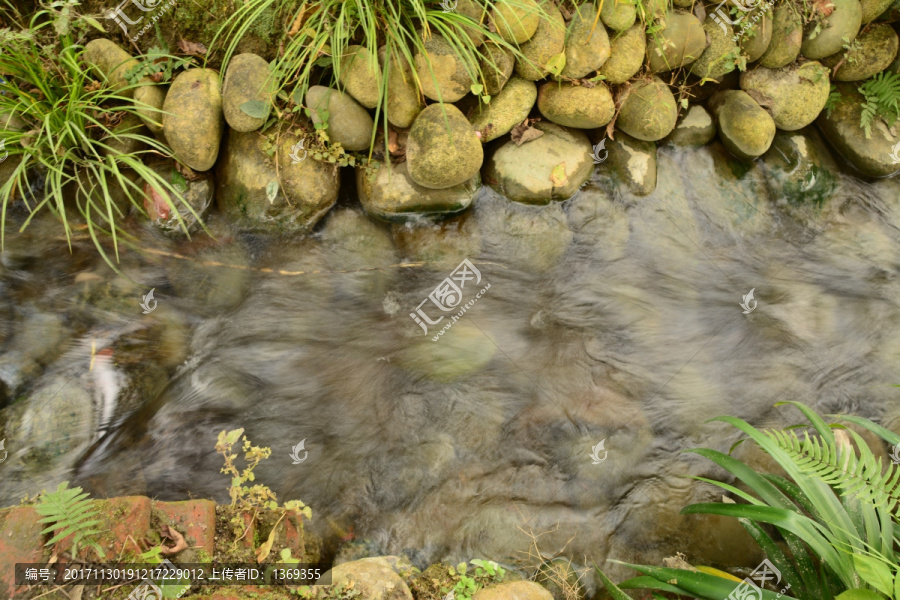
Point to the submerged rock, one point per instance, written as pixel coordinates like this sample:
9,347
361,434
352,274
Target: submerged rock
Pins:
506,110
257,197
361,75
576,106
619,15
497,64
714,63
679,44
648,111
626,56
404,103
348,123
587,45
694,128
548,41
799,169
838,28
869,155
193,121
632,162
787,36
794,96
388,193
744,127
441,72
194,193
873,51
246,80
551,167
442,150
516,23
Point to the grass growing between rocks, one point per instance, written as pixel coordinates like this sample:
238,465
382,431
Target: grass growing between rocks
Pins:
70,148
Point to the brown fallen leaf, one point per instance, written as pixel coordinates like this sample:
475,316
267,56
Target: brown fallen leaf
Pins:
188,173
191,48
825,7
298,22
180,544
524,132
397,143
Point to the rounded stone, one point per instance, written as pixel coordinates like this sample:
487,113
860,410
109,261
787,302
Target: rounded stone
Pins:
478,14
551,167
360,74
787,36
111,61
516,23
441,72
506,110
513,590
618,15
548,41
443,149
712,63
497,64
799,169
870,155
587,44
194,193
694,128
648,111
794,96
404,103
874,51
374,578
348,123
246,80
576,106
842,24
149,100
633,163
756,38
872,9
626,56
388,193
679,44
193,121
744,127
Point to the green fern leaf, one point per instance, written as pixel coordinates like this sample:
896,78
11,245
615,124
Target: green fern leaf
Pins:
69,511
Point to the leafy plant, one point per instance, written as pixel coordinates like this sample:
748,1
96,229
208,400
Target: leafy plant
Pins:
158,64
835,512
59,128
69,512
881,99
486,572
834,96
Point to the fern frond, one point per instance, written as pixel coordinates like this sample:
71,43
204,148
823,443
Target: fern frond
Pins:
69,512
881,96
862,476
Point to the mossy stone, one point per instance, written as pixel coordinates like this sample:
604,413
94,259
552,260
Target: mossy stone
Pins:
246,80
576,106
516,23
787,37
404,102
874,51
548,41
476,12
842,24
799,169
744,127
626,56
794,96
717,60
755,39
694,128
441,72
349,124
111,61
130,125
388,193
648,111
633,163
679,44
193,121
443,149
149,99
587,46
497,64
361,75
872,9
618,15
506,110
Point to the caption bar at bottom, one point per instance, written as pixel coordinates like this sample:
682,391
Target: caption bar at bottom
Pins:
193,573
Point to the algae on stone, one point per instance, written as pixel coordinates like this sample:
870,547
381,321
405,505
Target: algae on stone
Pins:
576,106
441,71
787,36
360,74
873,51
794,96
506,110
246,80
838,28
719,57
443,149
744,127
626,56
648,110
193,120
348,123
587,45
679,44
549,40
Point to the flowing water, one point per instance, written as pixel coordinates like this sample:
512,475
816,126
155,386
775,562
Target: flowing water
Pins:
608,317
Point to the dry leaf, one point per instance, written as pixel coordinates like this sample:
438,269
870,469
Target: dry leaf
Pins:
188,173
558,175
298,22
825,7
191,48
180,544
524,132
397,143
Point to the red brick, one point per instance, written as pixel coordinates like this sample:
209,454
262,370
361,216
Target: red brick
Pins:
20,542
119,518
196,519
